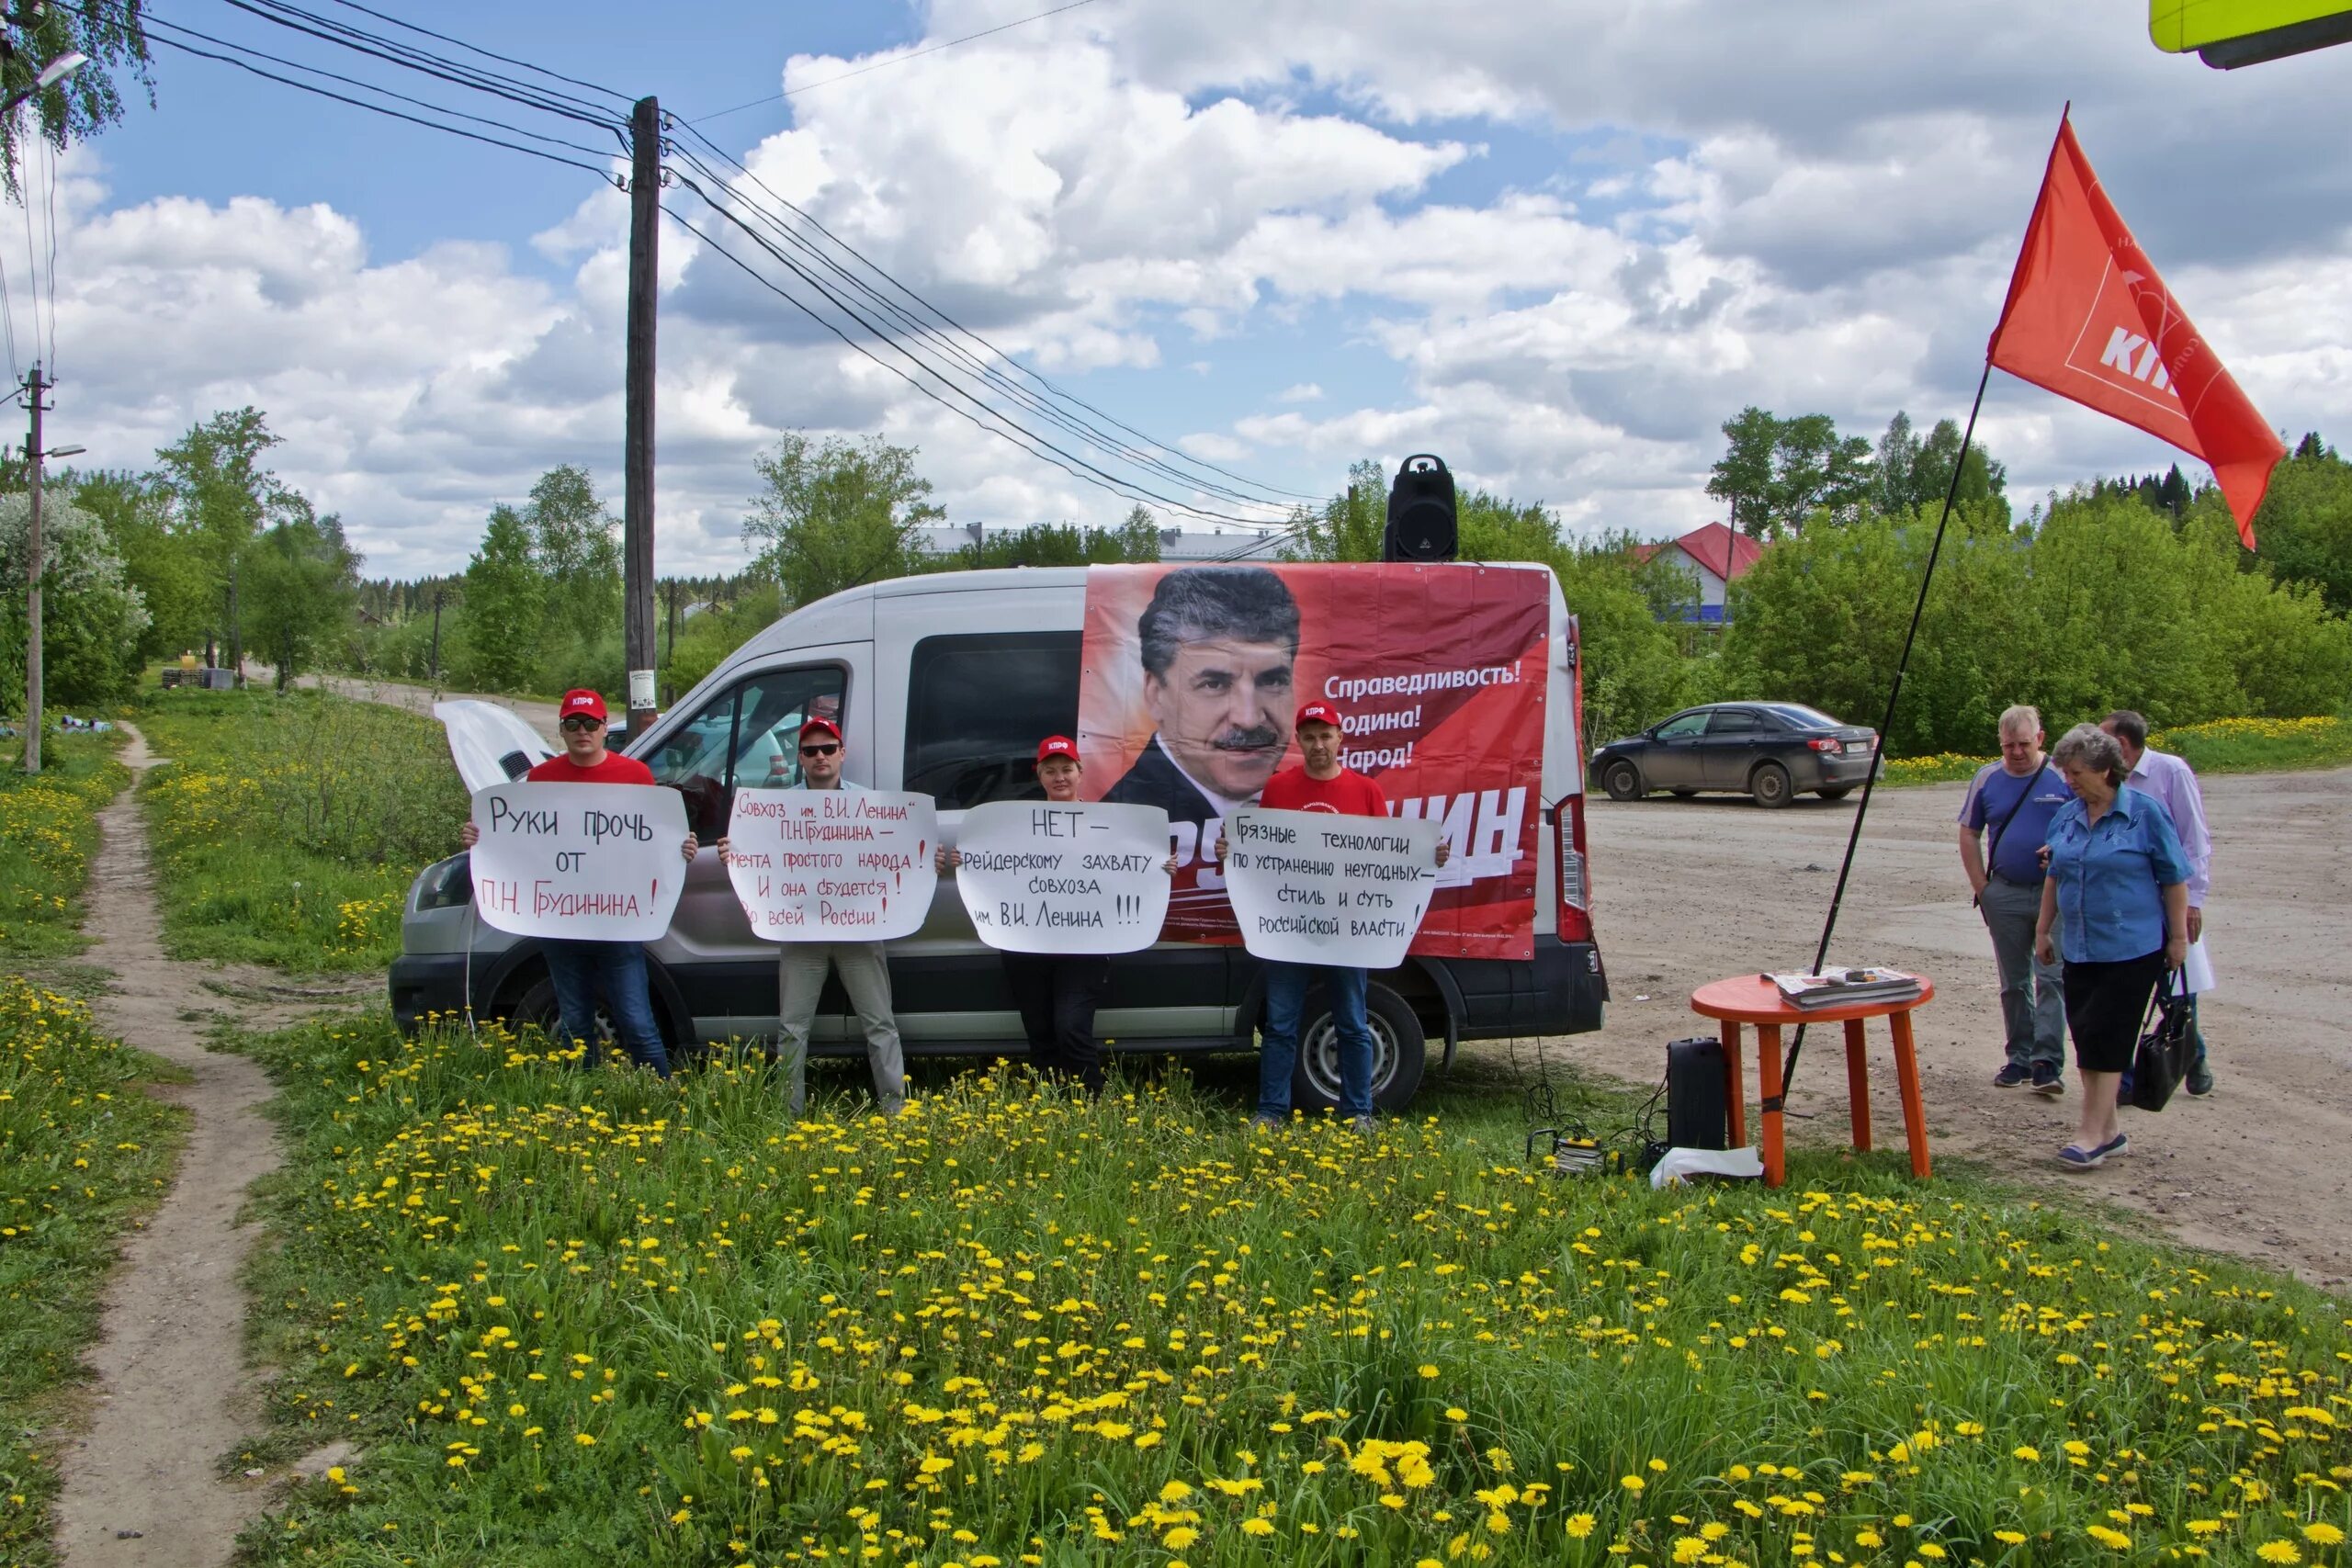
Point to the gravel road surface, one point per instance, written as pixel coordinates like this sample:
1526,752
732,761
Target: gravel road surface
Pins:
1692,890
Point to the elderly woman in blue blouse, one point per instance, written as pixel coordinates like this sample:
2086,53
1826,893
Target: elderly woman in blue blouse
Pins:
2116,907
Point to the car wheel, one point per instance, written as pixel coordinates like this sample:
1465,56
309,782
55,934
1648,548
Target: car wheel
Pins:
1398,1048
1841,793
1770,784
1684,793
1624,781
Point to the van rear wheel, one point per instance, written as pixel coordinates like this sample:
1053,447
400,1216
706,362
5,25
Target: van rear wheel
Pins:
1398,1051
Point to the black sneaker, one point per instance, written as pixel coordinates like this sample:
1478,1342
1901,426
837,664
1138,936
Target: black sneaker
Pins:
2012,1076
2047,1081
2200,1081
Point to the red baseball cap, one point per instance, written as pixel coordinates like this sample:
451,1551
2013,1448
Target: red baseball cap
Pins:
827,725
580,702
1057,746
1318,713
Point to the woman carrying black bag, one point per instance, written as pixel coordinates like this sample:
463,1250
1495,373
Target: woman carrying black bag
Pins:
2116,906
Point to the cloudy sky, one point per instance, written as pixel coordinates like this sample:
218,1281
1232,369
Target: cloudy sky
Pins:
1558,243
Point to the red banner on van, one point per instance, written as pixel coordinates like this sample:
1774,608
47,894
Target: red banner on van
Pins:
1193,674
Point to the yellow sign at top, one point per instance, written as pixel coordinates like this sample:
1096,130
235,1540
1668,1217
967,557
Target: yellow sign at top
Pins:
2231,33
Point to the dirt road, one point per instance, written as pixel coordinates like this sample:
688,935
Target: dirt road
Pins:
173,1392
417,699
1692,890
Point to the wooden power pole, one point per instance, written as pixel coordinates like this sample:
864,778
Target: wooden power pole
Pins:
34,388
636,498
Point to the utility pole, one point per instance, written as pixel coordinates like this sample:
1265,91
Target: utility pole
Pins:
436,636
637,484
34,388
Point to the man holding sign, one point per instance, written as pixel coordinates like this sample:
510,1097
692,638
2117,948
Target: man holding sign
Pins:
577,968
1319,784
1056,991
802,964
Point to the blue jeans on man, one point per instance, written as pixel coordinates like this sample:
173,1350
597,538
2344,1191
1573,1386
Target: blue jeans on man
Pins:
1286,987
579,970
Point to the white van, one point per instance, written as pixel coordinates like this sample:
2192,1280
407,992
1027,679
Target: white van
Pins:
944,684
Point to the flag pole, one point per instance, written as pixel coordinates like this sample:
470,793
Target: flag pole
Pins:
1887,721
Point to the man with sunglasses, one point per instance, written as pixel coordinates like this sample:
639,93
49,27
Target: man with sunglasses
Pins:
865,966
579,969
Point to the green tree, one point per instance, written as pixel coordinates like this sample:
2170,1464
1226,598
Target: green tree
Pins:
299,585
1775,473
1911,472
1351,525
221,497
85,101
835,514
93,618
2303,529
165,566
506,596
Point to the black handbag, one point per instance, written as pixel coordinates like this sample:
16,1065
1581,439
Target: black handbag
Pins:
2166,1046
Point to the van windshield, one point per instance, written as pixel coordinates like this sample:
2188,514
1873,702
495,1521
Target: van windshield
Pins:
748,735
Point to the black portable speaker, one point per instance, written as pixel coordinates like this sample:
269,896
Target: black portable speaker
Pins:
1421,512
1696,1114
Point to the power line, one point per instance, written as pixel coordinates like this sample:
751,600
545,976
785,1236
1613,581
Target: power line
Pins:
895,59
247,50
378,108
486,54
1010,430
963,357
296,19
1265,494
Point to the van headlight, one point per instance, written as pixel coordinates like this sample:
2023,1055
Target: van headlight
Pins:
444,885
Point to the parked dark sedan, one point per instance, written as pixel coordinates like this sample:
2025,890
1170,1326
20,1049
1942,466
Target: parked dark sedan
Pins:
1771,751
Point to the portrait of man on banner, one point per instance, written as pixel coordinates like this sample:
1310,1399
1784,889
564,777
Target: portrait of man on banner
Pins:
1193,674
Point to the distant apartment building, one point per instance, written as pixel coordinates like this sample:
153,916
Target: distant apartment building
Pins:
1714,557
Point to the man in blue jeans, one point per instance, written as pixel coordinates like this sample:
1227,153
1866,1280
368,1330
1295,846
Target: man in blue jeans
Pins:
1319,783
2010,804
578,970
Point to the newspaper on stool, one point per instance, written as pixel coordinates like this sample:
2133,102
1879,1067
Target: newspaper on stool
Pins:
1834,988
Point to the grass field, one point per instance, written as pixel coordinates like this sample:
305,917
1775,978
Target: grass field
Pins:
663,1325
2224,746
49,833
288,829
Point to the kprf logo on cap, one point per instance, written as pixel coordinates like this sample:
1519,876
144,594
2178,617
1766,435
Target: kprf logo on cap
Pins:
1318,713
1057,746
580,702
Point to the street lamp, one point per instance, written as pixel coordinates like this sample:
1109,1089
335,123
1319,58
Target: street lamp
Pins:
53,73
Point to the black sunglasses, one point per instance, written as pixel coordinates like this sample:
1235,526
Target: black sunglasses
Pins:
821,750
580,721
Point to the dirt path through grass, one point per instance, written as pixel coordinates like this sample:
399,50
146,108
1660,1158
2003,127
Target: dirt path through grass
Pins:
173,1391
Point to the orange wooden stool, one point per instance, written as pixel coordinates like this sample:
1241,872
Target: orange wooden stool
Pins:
1753,1000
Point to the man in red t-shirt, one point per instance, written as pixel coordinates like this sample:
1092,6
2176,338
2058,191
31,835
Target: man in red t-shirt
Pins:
1319,783
579,969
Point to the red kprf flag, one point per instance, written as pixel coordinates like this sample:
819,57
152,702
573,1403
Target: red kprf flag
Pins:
2088,318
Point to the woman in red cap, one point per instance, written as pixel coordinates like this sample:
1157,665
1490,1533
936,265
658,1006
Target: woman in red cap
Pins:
1056,993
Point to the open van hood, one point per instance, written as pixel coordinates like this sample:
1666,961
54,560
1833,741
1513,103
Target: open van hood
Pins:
490,745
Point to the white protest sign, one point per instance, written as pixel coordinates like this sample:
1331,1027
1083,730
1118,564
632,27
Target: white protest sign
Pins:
588,862
1042,876
1312,887
832,865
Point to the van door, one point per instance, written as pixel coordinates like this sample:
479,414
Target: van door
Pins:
985,676
745,735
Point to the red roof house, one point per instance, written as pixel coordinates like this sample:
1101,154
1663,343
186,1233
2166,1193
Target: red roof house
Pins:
1715,558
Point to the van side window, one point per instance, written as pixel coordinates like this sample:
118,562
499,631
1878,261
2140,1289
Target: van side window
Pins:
976,706
748,735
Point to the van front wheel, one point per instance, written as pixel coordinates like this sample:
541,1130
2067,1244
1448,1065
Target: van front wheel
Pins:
1398,1049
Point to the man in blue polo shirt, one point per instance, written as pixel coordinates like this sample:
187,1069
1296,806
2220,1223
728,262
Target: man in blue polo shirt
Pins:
2012,801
